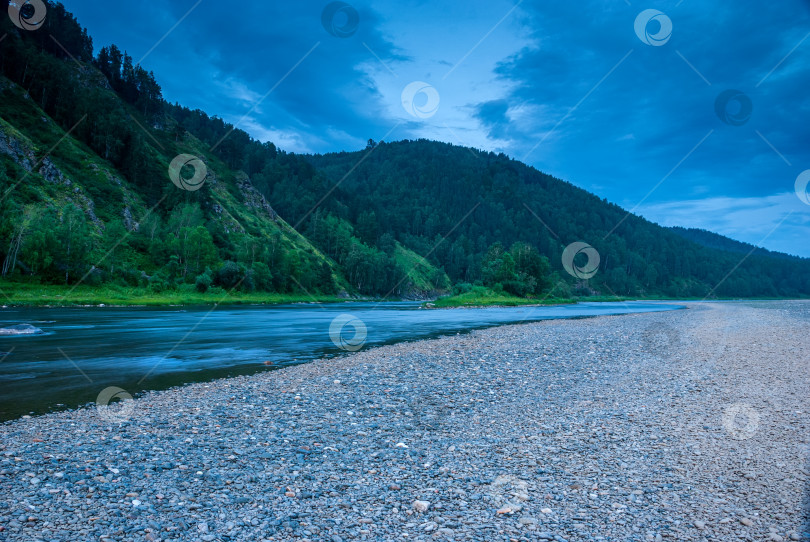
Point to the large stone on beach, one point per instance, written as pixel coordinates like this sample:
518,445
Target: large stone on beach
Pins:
421,506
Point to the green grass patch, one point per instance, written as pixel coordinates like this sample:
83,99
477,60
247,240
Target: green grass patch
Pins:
22,294
420,272
480,296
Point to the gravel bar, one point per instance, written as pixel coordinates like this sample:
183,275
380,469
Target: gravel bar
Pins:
683,425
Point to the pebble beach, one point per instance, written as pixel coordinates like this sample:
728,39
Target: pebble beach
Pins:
684,425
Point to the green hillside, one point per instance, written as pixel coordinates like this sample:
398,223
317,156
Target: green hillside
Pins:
88,199
418,190
73,217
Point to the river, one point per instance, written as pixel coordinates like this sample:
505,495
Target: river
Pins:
81,351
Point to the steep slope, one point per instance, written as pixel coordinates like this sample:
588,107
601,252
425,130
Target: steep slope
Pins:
46,172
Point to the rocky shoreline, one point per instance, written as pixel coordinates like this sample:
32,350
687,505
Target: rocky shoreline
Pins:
684,425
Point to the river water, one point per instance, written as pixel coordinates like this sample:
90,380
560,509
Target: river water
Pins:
81,351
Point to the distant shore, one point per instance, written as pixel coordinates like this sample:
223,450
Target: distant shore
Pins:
683,425
35,295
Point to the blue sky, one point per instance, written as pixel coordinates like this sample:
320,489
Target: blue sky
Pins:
570,88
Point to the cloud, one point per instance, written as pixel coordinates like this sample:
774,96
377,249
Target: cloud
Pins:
656,98
494,116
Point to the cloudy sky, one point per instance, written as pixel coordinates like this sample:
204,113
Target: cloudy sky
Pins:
691,113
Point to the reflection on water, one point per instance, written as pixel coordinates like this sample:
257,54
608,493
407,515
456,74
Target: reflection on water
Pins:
83,350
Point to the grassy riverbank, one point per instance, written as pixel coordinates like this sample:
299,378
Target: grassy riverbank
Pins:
480,296
48,295
21,294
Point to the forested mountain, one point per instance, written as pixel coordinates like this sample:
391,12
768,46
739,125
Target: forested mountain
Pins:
418,190
86,142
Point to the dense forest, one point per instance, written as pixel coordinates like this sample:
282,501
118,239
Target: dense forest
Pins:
417,190
86,141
